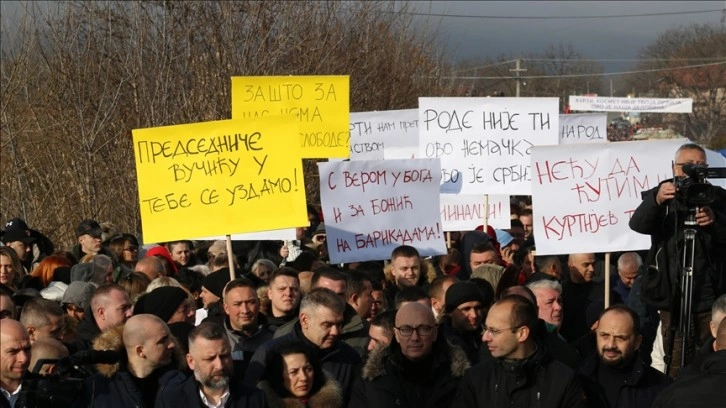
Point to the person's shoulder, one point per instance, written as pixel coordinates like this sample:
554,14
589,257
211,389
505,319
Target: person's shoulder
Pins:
346,352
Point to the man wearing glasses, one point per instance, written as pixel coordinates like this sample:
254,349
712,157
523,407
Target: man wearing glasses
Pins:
520,374
418,369
665,214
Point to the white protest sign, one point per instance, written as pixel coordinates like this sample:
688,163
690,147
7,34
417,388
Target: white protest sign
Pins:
465,212
584,128
287,234
716,159
372,133
372,207
484,143
610,104
584,195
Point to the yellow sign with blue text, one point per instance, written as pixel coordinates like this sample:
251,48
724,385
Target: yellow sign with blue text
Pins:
320,104
218,178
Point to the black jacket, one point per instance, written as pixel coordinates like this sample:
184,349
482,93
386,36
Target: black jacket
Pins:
87,331
386,381
666,252
340,362
183,392
328,396
576,297
642,384
538,381
704,390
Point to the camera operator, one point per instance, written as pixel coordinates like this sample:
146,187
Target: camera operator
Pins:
663,214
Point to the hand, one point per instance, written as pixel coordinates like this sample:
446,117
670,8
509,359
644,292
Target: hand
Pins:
666,191
508,255
284,251
705,216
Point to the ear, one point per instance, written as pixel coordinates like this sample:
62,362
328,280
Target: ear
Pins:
524,334
268,292
304,320
31,333
139,351
51,369
226,311
353,299
190,361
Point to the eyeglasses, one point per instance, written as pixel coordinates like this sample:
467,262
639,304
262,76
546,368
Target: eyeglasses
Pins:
699,164
422,330
496,332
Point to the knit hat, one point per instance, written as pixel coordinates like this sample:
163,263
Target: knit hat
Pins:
503,237
78,293
161,302
215,281
462,292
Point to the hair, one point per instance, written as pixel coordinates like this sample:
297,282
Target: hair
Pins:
516,223
263,262
45,269
189,244
275,366
526,212
509,278
323,297
622,309
543,262
436,290
283,271
405,251
721,336
17,265
524,313
46,348
719,306
220,261
355,283
162,281
689,146
152,260
385,320
101,294
373,269
36,312
409,294
629,259
101,265
239,283
482,247
117,243
207,331
522,291
135,284
546,284
327,272
190,279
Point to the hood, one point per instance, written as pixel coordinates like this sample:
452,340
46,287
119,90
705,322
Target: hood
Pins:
330,395
112,339
375,366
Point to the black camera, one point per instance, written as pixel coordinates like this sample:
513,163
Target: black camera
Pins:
693,189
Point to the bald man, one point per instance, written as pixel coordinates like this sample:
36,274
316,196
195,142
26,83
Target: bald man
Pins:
46,349
14,360
419,368
149,349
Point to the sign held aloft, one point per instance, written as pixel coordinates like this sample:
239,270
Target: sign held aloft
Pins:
610,104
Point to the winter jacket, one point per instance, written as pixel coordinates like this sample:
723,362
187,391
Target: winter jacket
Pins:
703,390
243,348
386,382
183,392
470,342
87,331
341,362
328,396
538,381
642,384
667,245
113,385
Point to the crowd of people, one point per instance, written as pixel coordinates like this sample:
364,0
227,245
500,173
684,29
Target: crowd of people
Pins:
108,323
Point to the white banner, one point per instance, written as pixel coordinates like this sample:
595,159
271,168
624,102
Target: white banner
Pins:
484,143
372,207
465,212
583,195
610,104
287,234
583,128
372,133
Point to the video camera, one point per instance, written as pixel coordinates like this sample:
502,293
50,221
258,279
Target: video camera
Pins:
64,387
693,189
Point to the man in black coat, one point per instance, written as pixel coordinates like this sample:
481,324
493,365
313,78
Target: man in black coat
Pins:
418,369
210,358
616,376
663,214
522,373
703,390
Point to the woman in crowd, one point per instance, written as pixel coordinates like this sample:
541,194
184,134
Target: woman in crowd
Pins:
125,249
181,252
294,378
11,269
45,270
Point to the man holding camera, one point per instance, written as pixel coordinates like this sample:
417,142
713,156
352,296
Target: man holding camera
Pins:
666,213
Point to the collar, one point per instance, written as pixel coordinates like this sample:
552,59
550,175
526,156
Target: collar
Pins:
12,397
209,404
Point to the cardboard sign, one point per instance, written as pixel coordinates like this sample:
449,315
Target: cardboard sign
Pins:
372,207
320,104
218,178
484,143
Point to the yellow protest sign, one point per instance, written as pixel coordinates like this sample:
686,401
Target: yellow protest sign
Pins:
217,178
321,104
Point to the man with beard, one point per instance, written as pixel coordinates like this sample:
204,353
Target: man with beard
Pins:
210,358
617,376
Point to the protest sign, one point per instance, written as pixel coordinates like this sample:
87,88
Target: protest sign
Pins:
583,128
286,234
372,207
610,104
584,195
320,104
372,133
465,212
218,178
715,159
484,143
